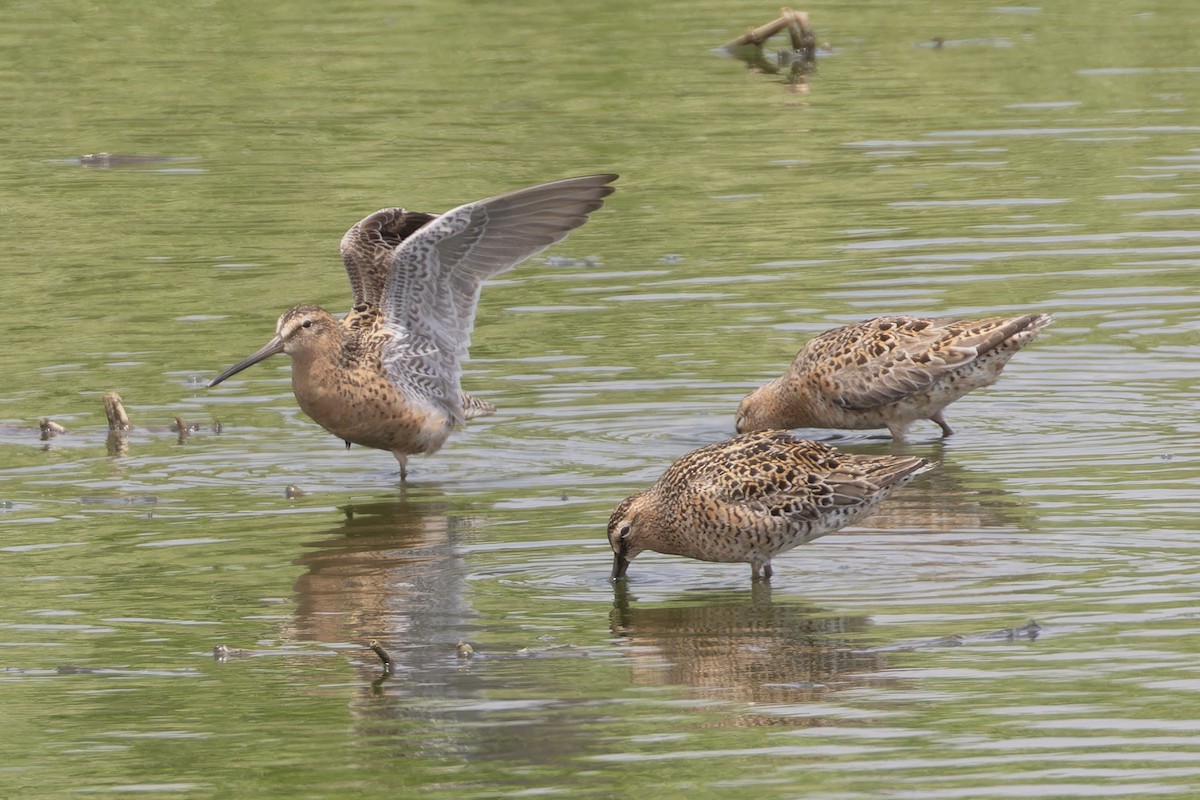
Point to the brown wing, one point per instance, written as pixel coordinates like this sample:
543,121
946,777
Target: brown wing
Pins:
775,474
367,249
474,407
883,360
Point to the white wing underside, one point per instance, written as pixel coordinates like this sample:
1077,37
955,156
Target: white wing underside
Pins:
432,288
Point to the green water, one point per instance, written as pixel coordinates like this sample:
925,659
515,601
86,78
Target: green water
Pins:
1045,158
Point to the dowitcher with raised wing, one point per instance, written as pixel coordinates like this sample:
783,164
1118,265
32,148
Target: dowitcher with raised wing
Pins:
387,374
887,372
751,498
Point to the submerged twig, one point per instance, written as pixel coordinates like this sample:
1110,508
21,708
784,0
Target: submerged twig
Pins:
799,60
50,428
383,656
757,36
117,442
801,33
794,22
184,429
119,424
223,653
118,420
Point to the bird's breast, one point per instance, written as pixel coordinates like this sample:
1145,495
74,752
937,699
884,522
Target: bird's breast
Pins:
361,406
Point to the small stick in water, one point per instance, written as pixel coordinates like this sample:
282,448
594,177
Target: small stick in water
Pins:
117,419
118,424
223,653
801,33
798,61
383,656
50,428
757,36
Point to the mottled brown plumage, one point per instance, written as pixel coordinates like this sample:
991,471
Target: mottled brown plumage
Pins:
387,375
752,497
887,372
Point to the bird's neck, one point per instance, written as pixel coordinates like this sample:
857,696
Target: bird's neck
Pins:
319,363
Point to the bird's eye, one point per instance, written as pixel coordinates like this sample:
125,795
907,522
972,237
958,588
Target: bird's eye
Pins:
623,532
306,324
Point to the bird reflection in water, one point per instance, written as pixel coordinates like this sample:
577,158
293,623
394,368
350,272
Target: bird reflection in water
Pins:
744,649
391,571
396,573
950,499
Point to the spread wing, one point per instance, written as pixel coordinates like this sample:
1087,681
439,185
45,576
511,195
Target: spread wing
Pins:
474,407
367,249
435,275
884,360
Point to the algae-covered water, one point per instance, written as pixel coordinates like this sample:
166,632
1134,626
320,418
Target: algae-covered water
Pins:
1040,159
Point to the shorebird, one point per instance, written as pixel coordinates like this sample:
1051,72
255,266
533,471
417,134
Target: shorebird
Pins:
753,497
887,372
387,374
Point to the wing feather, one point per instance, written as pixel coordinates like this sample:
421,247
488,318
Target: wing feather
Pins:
887,359
774,475
435,276
368,246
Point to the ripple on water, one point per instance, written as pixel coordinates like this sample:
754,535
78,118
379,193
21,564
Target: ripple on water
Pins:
144,788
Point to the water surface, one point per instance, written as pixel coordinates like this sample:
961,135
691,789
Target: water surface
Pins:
1043,159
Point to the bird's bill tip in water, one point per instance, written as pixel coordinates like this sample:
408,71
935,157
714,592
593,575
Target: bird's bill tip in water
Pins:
266,351
620,565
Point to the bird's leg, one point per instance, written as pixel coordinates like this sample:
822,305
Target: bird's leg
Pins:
941,423
403,459
897,431
762,568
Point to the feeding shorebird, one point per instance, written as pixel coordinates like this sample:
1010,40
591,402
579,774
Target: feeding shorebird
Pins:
387,374
887,372
753,497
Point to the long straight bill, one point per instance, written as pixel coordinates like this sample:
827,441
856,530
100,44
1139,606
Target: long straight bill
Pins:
266,351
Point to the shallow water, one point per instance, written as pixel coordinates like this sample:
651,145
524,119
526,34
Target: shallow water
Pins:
1045,158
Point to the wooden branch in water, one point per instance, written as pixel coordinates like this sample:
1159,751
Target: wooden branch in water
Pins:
118,420
798,28
794,22
798,60
757,36
383,656
118,424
